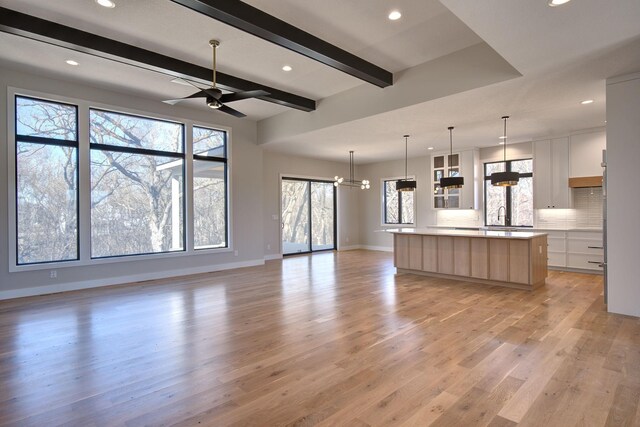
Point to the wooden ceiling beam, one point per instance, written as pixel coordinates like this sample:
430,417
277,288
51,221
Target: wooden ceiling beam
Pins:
260,24
28,26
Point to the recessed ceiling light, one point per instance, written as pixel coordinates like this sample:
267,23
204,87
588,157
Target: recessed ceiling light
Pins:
502,137
429,148
501,143
287,68
395,15
106,3
72,62
554,3
588,101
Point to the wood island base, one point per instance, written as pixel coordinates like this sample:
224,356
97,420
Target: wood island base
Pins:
510,259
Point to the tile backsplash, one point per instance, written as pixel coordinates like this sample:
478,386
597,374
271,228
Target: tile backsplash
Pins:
586,213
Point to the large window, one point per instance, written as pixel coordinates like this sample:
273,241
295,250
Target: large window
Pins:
209,188
509,206
134,184
397,205
46,156
137,185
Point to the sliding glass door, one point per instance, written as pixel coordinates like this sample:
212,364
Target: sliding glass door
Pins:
308,216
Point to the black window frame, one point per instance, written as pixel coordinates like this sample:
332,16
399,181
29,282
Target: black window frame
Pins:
50,142
335,215
226,184
508,210
143,151
384,205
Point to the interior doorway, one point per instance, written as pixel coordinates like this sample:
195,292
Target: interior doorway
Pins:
308,215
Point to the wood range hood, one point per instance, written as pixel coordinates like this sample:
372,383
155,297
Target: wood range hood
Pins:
585,181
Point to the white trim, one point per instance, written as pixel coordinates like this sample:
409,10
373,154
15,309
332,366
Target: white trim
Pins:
350,248
88,284
84,226
377,248
272,257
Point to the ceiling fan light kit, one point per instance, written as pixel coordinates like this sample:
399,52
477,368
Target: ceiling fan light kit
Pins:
406,184
213,96
507,178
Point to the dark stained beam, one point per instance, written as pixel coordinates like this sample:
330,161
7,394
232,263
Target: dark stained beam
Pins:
24,25
254,21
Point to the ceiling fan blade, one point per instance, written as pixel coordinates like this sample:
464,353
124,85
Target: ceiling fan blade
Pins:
237,96
229,110
201,94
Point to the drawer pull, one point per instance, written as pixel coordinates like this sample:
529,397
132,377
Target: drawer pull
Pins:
595,247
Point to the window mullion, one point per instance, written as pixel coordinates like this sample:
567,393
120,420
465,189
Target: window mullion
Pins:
84,175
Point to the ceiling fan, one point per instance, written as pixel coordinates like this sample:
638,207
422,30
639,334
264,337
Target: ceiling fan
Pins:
214,97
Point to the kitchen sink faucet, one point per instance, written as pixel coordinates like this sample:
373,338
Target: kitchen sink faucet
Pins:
504,215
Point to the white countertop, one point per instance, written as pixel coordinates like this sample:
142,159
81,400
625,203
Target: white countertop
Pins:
467,233
451,227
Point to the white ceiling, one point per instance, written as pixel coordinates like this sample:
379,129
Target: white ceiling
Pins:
564,53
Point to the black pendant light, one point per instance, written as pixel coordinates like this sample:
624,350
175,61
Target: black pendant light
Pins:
451,181
505,179
406,184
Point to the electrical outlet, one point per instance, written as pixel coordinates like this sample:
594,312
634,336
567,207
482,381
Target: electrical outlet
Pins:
235,253
274,217
53,274
268,246
347,239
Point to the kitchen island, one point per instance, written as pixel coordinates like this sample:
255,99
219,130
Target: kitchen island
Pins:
514,259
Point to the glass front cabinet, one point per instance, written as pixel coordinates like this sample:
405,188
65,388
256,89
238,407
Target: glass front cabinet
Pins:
465,163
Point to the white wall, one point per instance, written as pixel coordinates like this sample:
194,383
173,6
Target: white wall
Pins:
371,235
246,169
277,165
623,203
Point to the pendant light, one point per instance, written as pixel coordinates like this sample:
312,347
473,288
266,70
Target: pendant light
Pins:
451,181
505,179
406,184
352,182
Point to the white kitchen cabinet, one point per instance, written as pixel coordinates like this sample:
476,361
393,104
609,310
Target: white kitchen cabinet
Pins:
464,163
556,249
586,154
584,250
550,174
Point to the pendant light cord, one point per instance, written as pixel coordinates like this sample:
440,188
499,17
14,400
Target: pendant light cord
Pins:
351,167
406,156
505,139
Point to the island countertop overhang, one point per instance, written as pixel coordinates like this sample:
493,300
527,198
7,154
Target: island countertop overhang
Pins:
526,235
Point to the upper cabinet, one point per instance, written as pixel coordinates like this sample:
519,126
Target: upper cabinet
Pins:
464,163
586,154
550,174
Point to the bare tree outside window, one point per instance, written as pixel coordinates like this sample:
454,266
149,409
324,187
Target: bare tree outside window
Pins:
137,185
398,205
46,181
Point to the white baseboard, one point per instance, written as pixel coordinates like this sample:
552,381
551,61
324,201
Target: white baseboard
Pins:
87,284
377,248
272,257
349,248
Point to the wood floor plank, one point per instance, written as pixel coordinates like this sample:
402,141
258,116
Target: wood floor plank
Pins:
329,339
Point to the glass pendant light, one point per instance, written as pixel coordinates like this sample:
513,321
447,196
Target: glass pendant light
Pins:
505,179
406,184
451,181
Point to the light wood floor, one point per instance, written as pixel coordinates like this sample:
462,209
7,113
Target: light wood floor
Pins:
328,339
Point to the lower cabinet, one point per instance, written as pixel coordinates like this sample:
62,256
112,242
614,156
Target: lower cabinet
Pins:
430,254
509,261
480,258
499,260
